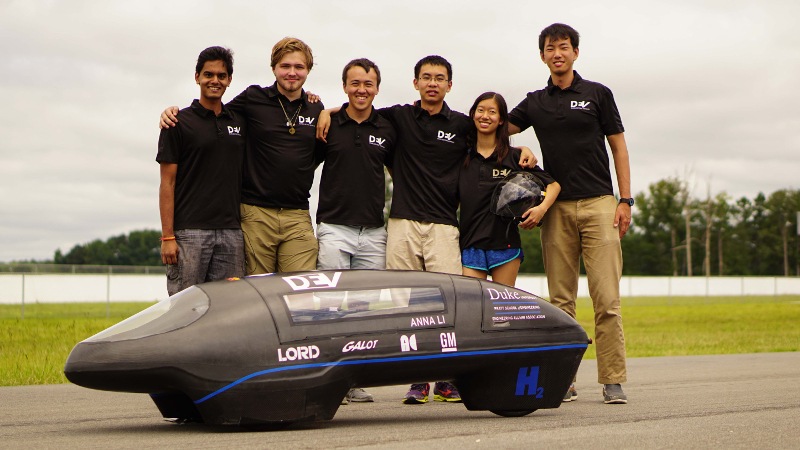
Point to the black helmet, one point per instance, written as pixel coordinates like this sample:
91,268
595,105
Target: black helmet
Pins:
515,194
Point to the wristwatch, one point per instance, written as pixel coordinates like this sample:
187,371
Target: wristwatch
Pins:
628,201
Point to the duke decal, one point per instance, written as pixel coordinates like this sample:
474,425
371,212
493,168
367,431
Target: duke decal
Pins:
448,341
494,294
317,280
407,343
302,352
528,377
360,345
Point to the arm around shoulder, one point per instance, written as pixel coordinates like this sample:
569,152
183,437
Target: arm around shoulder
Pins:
324,122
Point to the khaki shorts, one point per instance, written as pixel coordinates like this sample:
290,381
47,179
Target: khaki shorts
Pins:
278,240
432,247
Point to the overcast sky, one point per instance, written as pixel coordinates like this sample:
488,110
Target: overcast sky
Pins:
709,87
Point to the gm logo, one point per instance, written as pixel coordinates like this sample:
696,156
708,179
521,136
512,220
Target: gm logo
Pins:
376,141
579,105
408,343
234,131
302,282
446,137
306,121
448,341
528,378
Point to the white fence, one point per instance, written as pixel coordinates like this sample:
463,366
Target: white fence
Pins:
680,286
65,288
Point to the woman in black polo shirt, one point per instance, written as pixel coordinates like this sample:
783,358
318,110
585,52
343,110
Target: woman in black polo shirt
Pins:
490,244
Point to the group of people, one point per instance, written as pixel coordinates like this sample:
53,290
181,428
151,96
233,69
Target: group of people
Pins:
236,179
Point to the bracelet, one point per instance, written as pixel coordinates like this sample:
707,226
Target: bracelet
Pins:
171,238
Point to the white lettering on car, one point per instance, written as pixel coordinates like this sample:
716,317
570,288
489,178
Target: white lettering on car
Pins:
317,280
360,345
296,353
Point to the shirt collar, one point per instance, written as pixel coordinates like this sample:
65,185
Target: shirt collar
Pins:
273,91
418,111
343,117
575,86
201,110
473,153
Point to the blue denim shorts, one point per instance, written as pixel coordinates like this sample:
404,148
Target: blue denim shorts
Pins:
486,260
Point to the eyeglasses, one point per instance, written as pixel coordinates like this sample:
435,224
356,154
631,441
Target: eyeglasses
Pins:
427,79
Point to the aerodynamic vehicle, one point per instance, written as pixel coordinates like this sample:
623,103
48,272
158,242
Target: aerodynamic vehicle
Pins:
287,347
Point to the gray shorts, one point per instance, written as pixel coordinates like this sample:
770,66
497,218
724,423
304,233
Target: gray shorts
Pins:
346,247
205,255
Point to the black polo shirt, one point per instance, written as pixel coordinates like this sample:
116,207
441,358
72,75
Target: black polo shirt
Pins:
209,151
480,228
571,126
352,188
279,166
425,165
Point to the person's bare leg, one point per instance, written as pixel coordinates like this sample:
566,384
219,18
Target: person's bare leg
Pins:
475,273
507,273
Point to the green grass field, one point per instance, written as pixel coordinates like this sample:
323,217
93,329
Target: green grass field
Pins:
33,350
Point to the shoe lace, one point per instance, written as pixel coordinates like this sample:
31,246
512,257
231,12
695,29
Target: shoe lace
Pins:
418,387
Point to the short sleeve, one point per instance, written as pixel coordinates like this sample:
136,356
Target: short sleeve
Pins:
544,176
390,113
320,151
239,103
519,115
169,145
610,121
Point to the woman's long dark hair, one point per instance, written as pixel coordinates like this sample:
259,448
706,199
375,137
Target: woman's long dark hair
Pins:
502,142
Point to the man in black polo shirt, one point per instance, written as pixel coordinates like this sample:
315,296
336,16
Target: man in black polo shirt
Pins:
201,176
281,156
571,117
350,227
430,148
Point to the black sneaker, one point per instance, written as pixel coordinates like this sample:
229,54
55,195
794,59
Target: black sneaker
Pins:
612,393
445,392
571,394
418,393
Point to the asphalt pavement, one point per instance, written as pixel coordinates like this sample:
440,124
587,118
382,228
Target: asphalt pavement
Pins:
698,402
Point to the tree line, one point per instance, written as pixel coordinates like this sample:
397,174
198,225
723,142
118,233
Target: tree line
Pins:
673,233
137,248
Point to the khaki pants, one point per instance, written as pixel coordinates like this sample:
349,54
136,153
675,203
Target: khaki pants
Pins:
432,247
575,228
278,240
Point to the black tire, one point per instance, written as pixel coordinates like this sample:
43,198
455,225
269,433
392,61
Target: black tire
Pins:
521,413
